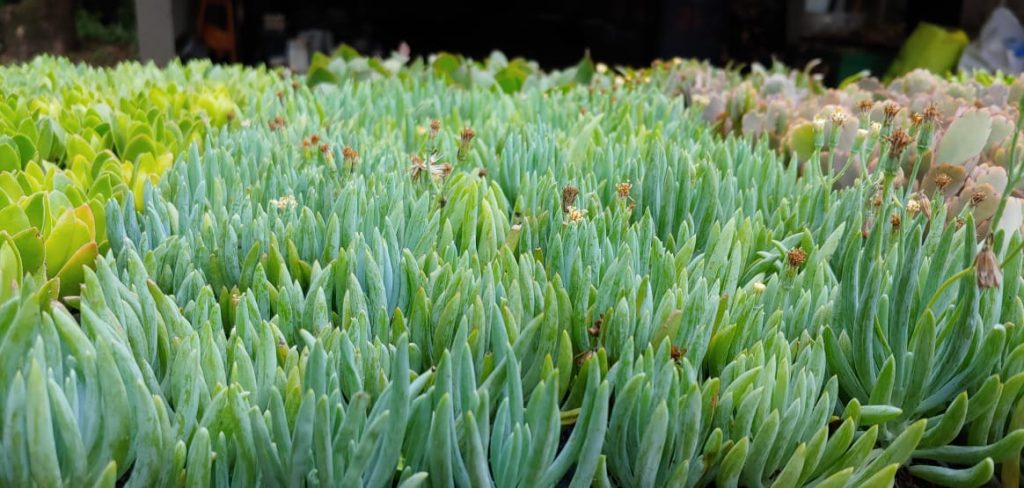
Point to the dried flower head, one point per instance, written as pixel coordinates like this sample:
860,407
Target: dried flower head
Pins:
623,189
276,123
865,105
942,180
467,135
898,141
916,119
314,139
441,171
876,198
977,197
325,149
481,172
435,127
569,194
895,220
986,267
349,154
796,257
931,113
959,223
890,109
417,168
677,353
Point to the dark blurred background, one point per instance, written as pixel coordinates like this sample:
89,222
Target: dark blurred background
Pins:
847,35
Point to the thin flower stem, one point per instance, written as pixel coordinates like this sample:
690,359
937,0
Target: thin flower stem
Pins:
1016,250
946,284
913,177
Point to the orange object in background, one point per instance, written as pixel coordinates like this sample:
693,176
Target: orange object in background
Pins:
220,40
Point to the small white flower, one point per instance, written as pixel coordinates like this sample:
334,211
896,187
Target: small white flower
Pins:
838,117
577,214
913,207
284,202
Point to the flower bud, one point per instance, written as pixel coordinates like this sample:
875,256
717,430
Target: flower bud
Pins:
986,266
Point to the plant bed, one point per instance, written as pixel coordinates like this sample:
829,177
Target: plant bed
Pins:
449,272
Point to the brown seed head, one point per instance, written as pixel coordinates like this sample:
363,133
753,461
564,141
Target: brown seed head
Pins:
435,127
931,113
890,109
977,197
467,135
898,141
569,194
349,154
677,353
895,220
796,257
481,172
315,139
865,105
916,119
943,180
865,228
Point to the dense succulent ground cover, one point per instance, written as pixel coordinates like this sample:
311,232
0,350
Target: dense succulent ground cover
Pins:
450,273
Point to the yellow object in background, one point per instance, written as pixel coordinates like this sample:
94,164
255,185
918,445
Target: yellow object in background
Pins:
929,47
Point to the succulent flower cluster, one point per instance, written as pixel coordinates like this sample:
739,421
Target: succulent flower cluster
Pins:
73,137
950,134
561,284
